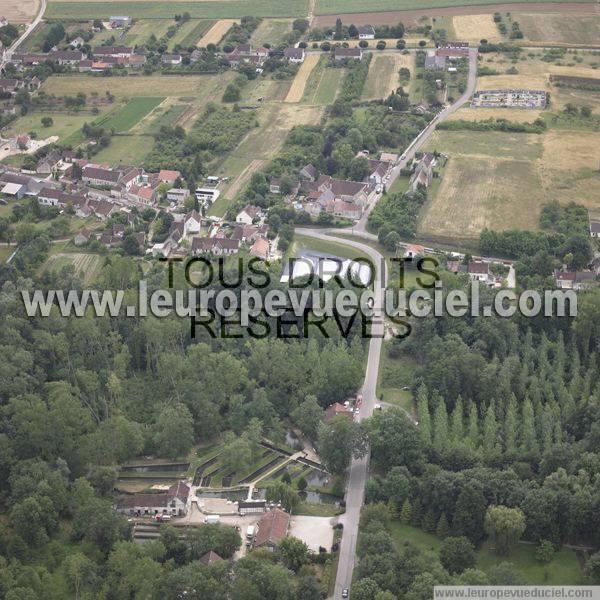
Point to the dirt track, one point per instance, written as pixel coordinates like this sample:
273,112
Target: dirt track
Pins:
411,17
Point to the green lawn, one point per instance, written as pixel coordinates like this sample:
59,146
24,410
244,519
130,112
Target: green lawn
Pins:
189,33
125,149
333,249
64,124
332,7
163,118
395,374
323,83
271,31
130,114
142,29
563,570
201,9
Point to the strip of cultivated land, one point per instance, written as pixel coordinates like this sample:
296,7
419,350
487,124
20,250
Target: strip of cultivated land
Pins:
383,78
411,11
216,33
299,84
201,9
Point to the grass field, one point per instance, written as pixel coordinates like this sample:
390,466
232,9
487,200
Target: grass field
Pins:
125,149
63,124
329,7
86,265
302,76
271,31
563,569
216,33
395,374
323,84
200,87
559,28
481,114
267,89
261,143
142,29
383,78
130,114
189,33
472,28
160,117
500,180
200,9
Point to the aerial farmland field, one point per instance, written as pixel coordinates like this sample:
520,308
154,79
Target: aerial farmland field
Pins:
200,9
135,110
323,84
383,76
271,31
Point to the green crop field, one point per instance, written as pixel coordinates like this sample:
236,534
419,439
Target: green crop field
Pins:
135,110
193,34
323,84
331,7
125,149
201,9
163,118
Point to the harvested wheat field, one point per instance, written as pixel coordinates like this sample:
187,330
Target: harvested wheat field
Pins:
564,150
297,90
560,28
472,28
216,33
383,78
23,11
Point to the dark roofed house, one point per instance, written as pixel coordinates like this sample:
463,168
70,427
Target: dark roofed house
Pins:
216,246
479,271
209,558
171,59
82,237
295,55
308,173
595,228
336,409
113,51
348,53
66,57
574,280
48,163
100,176
248,507
173,502
10,85
272,528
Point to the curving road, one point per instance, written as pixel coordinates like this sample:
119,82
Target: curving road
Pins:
9,51
359,469
422,138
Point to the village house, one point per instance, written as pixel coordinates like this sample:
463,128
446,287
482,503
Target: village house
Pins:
574,280
77,42
261,248
142,194
480,271
11,85
101,208
100,176
82,237
103,52
248,214
30,185
295,55
308,173
66,57
16,190
119,22
423,173
49,163
348,53
434,62
173,502
207,195
167,176
366,32
413,251
595,228
336,409
192,223
209,558
243,53
378,170
248,234
339,197
52,197
3,22
178,195
171,59
453,50
272,529
216,246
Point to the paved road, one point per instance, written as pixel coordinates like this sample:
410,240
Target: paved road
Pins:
358,473
422,138
9,51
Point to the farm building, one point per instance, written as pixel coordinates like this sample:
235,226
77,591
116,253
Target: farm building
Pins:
348,53
366,32
173,502
272,528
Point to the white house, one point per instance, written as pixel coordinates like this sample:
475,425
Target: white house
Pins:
366,32
207,194
247,215
192,223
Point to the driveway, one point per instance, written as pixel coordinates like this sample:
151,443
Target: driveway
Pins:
315,532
